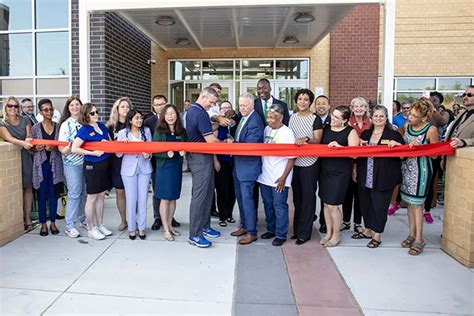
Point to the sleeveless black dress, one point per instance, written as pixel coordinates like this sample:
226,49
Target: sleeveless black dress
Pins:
335,172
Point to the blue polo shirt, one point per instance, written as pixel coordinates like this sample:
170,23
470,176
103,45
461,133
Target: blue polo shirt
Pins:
198,124
399,120
88,134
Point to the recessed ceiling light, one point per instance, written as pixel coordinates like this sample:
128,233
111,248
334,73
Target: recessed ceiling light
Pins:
290,40
304,17
183,42
264,65
165,20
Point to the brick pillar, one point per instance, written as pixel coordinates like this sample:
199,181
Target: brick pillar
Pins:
354,56
11,198
458,224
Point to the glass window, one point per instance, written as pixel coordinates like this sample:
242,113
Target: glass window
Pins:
286,94
408,96
177,92
416,84
453,83
52,86
16,87
214,70
52,54
52,14
15,15
185,70
237,69
58,102
257,69
16,55
192,91
292,69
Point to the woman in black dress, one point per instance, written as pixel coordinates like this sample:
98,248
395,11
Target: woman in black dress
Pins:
336,172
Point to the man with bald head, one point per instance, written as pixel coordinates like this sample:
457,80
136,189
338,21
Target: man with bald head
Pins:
247,168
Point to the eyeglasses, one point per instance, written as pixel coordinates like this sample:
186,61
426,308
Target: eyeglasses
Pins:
92,113
16,106
407,108
47,110
467,95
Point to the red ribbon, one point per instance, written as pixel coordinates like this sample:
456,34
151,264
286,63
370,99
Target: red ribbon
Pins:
241,149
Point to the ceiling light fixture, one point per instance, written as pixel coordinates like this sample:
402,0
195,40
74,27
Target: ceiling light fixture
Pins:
183,42
165,20
304,17
290,40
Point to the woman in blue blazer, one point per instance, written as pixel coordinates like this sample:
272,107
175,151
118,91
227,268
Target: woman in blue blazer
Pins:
136,173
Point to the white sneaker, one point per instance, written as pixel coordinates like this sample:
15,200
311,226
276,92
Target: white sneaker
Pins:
73,232
104,230
96,234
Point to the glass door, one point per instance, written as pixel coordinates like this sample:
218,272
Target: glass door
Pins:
285,91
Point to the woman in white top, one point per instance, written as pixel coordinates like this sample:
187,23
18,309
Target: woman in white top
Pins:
275,179
308,129
72,163
136,173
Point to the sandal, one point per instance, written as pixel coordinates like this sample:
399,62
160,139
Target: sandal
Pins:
374,243
230,220
408,242
358,228
416,248
168,236
29,227
345,226
222,223
360,236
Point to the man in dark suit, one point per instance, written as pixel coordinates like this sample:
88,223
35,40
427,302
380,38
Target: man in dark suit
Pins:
322,108
247,168
265,100
28,111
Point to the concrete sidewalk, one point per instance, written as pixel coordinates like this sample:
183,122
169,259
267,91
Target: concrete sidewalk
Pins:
60,275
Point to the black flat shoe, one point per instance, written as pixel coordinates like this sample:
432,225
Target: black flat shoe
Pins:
156,224
132,237
267,235
231,220
53,230
278,242
175,223
300,241
323,229
44,230
222,223
294,237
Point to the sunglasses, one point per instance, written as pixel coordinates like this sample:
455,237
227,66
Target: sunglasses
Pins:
467,95
92,113
16,106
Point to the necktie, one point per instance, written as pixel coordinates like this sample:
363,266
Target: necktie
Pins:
265,110
239,127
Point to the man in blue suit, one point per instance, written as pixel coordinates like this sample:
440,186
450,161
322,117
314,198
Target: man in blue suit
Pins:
265,101
247,168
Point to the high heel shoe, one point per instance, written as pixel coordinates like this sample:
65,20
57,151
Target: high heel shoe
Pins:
132,237
323,241
168,236
142,236
332,243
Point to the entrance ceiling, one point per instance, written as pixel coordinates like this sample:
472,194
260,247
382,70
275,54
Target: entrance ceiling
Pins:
238,27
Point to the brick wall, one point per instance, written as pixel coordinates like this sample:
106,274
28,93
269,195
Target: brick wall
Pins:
354,53
458,223
11,199
119,55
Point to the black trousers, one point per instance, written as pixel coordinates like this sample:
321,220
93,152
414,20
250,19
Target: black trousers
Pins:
352,194
304,185
374,205
436,169
225,193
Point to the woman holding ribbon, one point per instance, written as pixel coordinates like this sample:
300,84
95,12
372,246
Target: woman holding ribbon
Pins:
96,169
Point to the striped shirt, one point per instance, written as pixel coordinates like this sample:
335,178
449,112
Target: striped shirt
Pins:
67,133
303,126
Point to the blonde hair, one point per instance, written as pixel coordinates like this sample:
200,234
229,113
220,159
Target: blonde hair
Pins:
114,116
424,107
5,102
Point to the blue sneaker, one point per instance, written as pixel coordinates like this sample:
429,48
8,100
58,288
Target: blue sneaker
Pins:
200,242
209,232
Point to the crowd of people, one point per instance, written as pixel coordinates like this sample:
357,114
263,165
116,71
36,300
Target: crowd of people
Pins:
364,190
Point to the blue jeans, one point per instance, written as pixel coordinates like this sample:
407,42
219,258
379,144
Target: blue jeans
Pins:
76,195
276,210
46,192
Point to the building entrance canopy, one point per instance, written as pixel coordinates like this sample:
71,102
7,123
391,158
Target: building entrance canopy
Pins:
210,24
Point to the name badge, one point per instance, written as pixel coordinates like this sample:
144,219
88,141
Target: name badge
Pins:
384,142
91,134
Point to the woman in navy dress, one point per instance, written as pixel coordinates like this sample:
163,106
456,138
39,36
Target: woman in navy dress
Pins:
169,167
